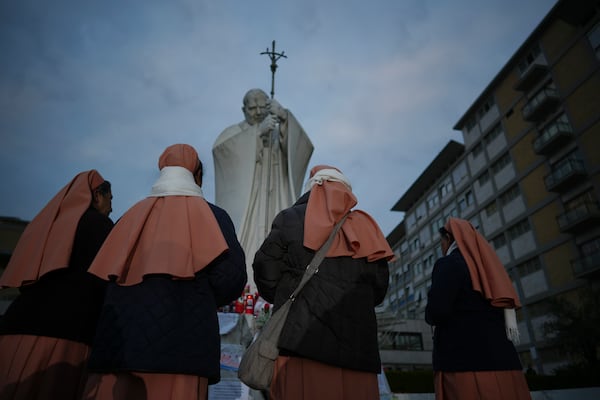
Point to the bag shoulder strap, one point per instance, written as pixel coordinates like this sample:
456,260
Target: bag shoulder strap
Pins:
313,266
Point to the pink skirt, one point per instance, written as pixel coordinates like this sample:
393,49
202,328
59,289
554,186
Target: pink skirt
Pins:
38,367
146,386
481,385
297,378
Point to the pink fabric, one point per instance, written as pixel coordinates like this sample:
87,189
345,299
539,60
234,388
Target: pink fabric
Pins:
147,386
359,237
47,241
487,271
175,235
297,378
41,368
481,385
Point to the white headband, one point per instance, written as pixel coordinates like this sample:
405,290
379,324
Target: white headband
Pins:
327,174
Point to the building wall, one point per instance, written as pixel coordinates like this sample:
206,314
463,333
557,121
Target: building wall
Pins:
512,201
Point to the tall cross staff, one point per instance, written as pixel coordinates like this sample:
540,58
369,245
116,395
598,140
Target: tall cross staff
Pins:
274,56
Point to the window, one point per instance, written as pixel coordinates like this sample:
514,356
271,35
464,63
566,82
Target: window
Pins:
486,107
418,270
529,266
445,188
411,220
590,247
519,229
450,211
416,244
477,150
459,173
483,178
433,200
491,209
421,211
470,124
501,163
437,223
499,241
581,200
511,194
529,59
594,38
475,222
403,247
493,134
402,341
432,258
469,198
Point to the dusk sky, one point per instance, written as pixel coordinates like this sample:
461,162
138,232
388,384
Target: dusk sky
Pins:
107,85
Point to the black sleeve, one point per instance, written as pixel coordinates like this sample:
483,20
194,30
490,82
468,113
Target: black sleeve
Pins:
446,280
92,230
269,260
382,281
227,273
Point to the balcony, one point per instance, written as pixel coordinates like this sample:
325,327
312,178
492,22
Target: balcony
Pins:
545,101
552,138
587,266
580,218
533,75
564,175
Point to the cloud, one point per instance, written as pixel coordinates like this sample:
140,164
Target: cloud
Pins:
109,85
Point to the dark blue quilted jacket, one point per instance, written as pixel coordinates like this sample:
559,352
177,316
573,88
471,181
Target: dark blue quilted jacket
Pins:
170,326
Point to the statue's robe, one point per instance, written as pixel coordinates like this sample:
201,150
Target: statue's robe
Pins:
243,185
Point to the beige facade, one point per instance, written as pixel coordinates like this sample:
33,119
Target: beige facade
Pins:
527,176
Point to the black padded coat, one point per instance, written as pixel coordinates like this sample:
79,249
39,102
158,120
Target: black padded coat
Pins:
163,325
64,303
469,332
333,319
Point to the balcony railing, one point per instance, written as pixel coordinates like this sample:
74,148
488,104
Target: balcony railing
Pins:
531,76
564,175
553,137
577,219
542,103
587,266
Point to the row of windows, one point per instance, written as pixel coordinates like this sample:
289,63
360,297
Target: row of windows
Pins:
481,112
519,229
529,267
512,193
400,341
487,139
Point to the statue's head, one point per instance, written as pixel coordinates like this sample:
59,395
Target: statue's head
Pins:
255,106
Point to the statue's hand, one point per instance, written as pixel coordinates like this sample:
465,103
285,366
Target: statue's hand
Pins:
276,109
267,125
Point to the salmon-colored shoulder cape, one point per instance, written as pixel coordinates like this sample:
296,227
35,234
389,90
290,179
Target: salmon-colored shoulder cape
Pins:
173,231
487,271
329,200
47,241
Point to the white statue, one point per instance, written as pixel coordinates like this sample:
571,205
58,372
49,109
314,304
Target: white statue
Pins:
260,164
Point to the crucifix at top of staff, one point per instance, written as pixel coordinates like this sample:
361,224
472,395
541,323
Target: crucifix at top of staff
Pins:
274,136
